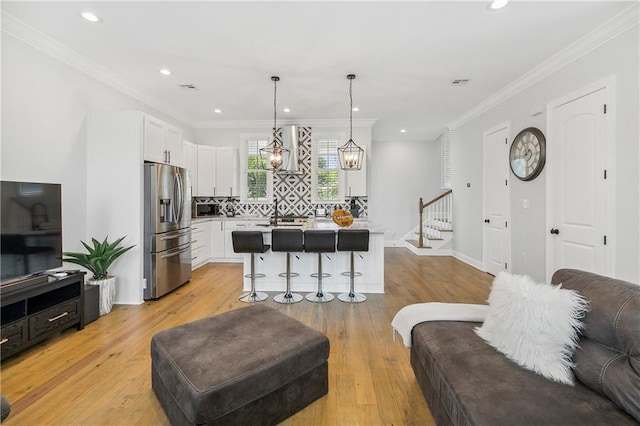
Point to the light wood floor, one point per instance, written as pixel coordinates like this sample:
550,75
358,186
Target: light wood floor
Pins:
101,375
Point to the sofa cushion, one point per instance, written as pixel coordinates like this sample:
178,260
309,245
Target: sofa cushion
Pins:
478,385
608,360
535,325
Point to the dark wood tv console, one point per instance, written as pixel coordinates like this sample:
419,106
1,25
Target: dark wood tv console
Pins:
32,313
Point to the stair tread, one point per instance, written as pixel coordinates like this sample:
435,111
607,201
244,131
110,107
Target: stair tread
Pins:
415,243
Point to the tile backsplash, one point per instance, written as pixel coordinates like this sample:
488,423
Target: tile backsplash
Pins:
293,191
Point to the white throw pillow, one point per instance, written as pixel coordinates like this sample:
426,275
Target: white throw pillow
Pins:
535,325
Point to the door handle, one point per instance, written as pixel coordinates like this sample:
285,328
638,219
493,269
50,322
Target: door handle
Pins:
554,231
487,221
173,237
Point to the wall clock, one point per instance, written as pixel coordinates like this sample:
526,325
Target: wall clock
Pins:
527,154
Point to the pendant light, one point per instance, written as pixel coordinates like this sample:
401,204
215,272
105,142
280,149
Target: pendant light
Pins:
350,154
274,155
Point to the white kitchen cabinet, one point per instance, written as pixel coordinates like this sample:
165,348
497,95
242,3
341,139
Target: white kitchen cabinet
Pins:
229,227
200,243
217,176
190,154
356,180
217,239
226,177
162,142
173,145
206,174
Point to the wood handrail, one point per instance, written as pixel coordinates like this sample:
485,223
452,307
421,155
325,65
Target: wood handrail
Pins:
433,200
421,206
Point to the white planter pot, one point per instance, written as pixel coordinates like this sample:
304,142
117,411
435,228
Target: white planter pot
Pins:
107,293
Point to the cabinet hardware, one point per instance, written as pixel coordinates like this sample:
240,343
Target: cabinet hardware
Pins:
3,341
554,231
64,314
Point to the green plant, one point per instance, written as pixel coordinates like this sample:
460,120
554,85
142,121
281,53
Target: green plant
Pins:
98,258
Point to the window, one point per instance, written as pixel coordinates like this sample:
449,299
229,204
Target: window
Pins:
327,176
256,185
446,159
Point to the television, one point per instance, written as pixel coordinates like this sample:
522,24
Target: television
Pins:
30,230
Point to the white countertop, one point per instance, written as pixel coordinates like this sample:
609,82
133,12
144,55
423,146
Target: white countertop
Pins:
318,223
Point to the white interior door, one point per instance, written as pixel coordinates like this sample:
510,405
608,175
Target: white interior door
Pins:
496,241
577,184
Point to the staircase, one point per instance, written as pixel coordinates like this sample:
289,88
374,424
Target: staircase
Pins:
433,235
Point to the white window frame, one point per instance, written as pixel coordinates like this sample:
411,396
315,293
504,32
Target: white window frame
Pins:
244,138
317,136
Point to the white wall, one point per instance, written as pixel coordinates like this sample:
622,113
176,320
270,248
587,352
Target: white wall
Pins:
617,57
44,107
404,172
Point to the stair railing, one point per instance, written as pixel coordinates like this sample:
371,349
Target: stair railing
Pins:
439,215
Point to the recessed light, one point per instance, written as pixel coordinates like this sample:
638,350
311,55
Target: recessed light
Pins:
217,111
165,71
498,4
286,110
403,130
355,109
91,17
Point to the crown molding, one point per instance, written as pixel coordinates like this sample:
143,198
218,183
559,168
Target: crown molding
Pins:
29,35
622,22
268,124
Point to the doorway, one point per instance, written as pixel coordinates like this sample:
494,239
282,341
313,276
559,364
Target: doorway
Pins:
496,245
578,181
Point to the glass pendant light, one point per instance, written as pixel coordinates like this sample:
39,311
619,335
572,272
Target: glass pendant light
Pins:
274,155
350,154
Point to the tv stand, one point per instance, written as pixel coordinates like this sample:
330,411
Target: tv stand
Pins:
31,313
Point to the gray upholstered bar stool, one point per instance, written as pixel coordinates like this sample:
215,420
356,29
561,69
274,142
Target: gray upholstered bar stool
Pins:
321,242
352,240
250,242
288,241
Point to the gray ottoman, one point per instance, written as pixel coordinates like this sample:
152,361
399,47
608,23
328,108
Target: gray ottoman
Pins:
249,366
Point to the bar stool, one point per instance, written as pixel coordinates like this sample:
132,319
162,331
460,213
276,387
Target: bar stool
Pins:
320,241
352,240
289,241
250,242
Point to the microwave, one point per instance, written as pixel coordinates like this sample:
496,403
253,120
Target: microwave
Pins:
205,209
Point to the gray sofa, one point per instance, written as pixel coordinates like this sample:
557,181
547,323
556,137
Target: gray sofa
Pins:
467,382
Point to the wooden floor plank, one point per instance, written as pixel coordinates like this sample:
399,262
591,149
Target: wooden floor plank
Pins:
101,375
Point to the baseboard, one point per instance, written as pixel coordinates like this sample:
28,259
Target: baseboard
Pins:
468,260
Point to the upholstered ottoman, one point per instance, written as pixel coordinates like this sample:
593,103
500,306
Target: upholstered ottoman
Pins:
252,365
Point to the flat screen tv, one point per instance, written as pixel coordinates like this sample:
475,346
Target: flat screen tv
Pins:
30,230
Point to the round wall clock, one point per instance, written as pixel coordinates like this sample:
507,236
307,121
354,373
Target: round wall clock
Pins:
527,154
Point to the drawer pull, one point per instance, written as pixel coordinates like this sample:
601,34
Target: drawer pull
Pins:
3,341
64,314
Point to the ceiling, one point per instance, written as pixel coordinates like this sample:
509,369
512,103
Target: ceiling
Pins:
405,54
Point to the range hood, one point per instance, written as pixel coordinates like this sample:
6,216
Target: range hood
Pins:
290,141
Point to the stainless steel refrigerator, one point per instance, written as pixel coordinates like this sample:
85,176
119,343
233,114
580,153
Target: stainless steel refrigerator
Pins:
167,229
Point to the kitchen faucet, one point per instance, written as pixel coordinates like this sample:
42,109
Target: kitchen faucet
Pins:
275,214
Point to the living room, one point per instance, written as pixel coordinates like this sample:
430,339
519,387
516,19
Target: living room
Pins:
47,95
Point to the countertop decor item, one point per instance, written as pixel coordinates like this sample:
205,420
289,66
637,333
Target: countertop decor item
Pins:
527,154
350,154
342,217
97,260
274,155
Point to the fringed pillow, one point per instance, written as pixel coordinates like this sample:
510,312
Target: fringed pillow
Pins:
534,325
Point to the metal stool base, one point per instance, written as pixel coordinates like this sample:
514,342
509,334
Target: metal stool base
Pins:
255,297
288,299
319,297
352,297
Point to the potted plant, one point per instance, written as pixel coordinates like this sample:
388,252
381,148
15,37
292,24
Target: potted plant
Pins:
97,260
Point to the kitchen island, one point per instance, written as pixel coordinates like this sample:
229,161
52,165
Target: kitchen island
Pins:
370,264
